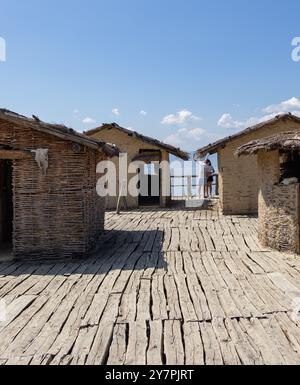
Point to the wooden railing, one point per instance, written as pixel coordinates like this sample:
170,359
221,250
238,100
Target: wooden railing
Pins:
190,186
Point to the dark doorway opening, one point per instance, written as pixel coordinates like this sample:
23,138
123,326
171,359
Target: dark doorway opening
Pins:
150,178
289,165
6,206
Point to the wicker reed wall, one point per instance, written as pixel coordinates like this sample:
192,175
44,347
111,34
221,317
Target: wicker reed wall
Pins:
58,215
278,207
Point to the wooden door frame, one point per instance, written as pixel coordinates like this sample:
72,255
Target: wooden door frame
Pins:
159,153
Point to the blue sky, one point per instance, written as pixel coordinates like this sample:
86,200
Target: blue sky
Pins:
185,71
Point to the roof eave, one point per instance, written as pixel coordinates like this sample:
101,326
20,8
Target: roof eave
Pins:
220,144
288,141
59,131
168,148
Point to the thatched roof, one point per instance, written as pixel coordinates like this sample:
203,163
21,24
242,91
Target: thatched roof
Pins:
289,141
215,147
59,131
148,156
167,147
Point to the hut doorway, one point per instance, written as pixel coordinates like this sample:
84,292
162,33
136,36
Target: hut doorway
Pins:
289,165
150,178
6,205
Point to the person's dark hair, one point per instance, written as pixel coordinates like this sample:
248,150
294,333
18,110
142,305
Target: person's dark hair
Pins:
208,162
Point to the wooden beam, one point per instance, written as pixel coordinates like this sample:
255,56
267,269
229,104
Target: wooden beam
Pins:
14,154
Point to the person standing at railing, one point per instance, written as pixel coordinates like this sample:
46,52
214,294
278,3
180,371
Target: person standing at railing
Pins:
209,179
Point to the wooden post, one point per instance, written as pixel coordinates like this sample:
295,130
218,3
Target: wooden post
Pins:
165,175
217,184
189,187
122,189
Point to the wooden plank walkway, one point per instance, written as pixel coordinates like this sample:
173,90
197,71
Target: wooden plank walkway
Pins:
166,287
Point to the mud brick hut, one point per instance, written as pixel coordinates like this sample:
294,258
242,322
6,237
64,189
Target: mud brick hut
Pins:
278,159
239,184
49,205
145,149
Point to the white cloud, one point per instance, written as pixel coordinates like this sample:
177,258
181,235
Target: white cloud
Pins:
289,105
256,120
226,121
88,120
143,113
296,113
116,111
181,117
189,139
76,114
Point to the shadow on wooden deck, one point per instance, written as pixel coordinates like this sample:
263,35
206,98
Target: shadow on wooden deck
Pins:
163,287
115,250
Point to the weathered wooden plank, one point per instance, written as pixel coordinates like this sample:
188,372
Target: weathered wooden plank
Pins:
155,349
15,308
213,355
173,346
99,351
194,350
268,350
19,361
247,352
227,346
177,287
137,347
144,301
173,306
186,305
117,353
159,300
275,333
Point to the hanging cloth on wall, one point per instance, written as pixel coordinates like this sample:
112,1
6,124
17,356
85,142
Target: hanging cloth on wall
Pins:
41,158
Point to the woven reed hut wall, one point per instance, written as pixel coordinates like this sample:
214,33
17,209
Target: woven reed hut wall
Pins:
132,143
57,214
238,178
278,206
278,203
